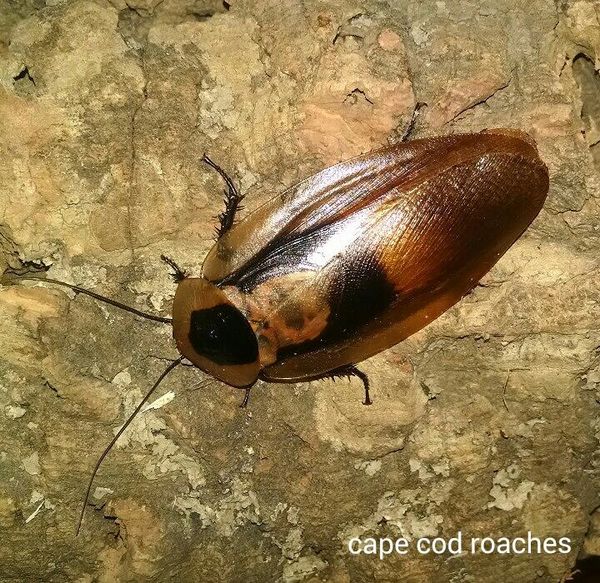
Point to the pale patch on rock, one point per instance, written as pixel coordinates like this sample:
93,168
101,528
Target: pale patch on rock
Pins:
189,504
419,34
279,509
416,465
292,514
526,429
302,568
292,547
100,492
506,492
122,379
174,462
370,467
14,411
31,464
410,512
238,507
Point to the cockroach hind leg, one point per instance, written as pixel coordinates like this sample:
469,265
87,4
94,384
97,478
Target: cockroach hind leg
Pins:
246,399
178,273
233,198
350,371
413,121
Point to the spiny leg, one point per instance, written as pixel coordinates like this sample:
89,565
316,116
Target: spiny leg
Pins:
352,371
232,199
178,273
413,121
244,403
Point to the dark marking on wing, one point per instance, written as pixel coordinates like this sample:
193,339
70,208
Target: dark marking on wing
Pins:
357,293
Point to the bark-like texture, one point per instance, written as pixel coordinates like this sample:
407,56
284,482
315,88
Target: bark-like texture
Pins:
486,421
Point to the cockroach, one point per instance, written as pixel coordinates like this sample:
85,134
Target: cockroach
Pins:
350,261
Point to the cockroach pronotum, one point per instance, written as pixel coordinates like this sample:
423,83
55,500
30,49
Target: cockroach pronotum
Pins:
350,261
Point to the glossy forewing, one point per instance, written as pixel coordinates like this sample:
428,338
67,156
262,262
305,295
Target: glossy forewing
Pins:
361,255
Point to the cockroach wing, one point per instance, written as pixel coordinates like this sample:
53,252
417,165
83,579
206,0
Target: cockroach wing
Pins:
324,196
365,253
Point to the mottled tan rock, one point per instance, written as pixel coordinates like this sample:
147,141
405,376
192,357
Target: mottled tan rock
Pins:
485,422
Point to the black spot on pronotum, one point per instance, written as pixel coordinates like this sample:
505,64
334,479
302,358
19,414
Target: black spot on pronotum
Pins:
223,335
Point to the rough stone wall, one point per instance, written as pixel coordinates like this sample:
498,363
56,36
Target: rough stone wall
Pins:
485,422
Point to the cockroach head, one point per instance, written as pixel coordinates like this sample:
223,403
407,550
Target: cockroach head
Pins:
213,334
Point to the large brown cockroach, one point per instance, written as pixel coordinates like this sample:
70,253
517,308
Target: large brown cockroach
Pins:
350,261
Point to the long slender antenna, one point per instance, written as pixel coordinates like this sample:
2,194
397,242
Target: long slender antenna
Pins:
94,295
116,437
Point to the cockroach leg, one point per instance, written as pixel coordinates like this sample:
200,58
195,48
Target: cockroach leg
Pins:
413,121
351,371
244,403
178,273
232,199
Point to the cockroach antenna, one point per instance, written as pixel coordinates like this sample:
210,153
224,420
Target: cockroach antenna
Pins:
11,277
174,364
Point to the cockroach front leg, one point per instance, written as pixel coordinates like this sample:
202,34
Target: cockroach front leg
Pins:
349,371
178,273
232,199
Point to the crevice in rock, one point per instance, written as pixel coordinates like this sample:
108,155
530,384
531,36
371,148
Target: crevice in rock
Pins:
24,83
133,27
16,265
357,95
50,386
350,29
207,12
9,248
588,80
585,570
24,74
481,101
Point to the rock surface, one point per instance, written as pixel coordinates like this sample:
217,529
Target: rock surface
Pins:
484,422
